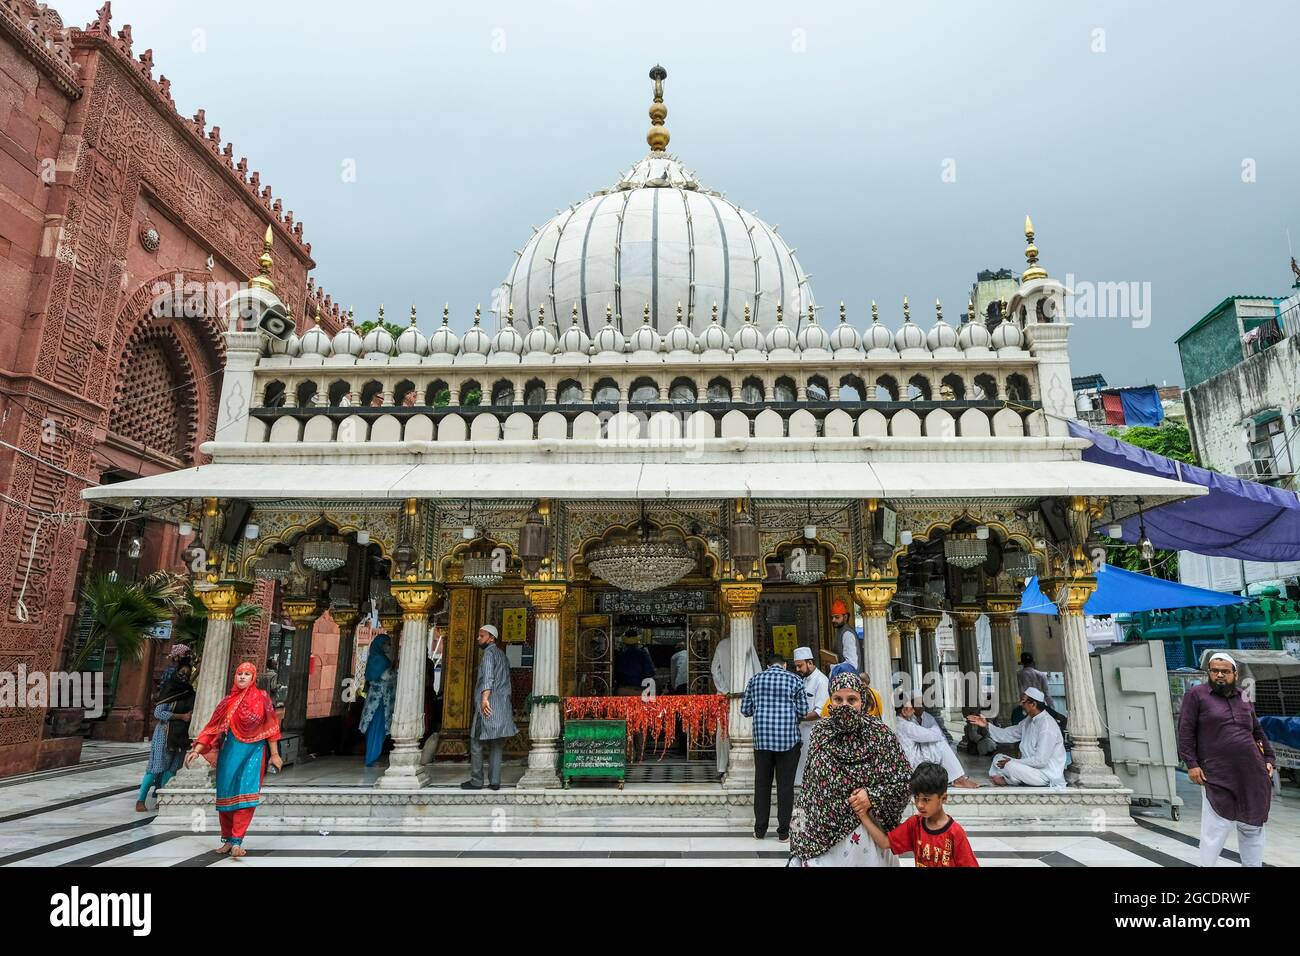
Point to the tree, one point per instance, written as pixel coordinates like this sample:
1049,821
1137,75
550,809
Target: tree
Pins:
122,613
1172,440
367,326
192,622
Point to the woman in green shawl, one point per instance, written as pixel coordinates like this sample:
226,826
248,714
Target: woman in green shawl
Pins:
849,750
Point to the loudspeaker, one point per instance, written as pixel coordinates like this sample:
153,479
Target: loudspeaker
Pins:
275,322
237,515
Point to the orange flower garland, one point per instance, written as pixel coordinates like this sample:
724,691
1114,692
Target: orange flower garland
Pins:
655,718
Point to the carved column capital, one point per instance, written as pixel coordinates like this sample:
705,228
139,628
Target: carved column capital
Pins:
222,599
302,611
874,596
416,598
927,623
739,599
966,615
546,599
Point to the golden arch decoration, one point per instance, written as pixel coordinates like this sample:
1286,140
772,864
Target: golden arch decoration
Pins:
712,561
838,565
1004,531
290,536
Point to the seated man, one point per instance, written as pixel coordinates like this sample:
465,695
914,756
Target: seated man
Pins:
923,744
1042,748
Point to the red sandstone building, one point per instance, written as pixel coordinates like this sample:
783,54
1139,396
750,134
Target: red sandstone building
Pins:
107,196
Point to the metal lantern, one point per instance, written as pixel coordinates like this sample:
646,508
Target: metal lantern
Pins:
533,542
965,550
323,554
274,566
744,542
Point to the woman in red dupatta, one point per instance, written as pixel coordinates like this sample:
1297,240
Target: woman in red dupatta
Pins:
237,740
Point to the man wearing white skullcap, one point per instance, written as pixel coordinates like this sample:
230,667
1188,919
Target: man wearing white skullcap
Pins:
494,721
817,687
1042,748
1228,756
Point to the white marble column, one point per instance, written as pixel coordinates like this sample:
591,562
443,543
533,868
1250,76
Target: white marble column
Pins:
303,613
220,601
874,597
405,769
1002,624
968,655
544,718
740,601
1088,767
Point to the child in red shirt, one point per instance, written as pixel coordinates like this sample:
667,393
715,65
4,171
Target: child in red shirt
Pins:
935,838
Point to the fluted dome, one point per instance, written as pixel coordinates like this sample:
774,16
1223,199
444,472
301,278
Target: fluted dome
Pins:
812,337
476,341
714,338
443,341
973,334
610,339
412,340
540,338
877,336
845,336
680,338
909,334
781,336
645,338
291,346
347,342
941,335
1007,335
316,342
658,236
378,340
508,339
575,341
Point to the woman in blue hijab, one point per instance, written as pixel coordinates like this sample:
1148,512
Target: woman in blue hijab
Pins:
377,715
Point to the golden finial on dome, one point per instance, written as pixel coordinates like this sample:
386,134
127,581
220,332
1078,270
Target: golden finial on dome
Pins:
541,315
1035,271
812,314
381,313
645,314
844,312
715,313
446,313
412,313
748,318
264,264
510,314
780,319
938,310
351,313
907,311
478,313
875,312
658,135
609,314
573,316
679,313
970,310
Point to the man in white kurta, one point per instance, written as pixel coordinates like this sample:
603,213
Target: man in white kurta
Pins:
720,668
818,689
1042,748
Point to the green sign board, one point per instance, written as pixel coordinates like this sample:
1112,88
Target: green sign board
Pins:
595,748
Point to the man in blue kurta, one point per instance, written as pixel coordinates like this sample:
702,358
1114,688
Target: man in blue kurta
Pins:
494,721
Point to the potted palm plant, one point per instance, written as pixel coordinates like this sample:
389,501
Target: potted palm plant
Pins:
192,621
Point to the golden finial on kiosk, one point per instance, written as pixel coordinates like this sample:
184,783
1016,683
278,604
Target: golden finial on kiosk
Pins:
658,135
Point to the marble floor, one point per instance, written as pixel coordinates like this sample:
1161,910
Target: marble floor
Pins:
85,816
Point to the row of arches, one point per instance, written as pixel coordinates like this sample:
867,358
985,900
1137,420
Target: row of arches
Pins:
644,390
657,426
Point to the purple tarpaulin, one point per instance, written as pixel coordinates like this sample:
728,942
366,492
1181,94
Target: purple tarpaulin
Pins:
1237,519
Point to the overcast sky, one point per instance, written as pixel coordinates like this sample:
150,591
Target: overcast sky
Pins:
898,146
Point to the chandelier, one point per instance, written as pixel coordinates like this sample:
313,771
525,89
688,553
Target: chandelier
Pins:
965,550
324,554
1020,564
274,566
480,572
813,570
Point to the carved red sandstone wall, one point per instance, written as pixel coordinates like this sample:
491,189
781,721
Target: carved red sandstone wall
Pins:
106,193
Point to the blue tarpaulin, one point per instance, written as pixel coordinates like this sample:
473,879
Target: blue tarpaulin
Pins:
1282,730
1119,592
1237,519
1142,406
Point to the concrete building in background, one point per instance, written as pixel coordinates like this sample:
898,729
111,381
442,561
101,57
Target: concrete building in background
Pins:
1240,364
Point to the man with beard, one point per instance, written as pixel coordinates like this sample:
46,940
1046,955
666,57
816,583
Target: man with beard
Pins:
1226,753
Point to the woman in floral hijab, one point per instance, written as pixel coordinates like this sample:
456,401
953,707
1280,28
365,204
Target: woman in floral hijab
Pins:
849,750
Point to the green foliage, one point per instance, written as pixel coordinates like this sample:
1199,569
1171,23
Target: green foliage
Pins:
192,621
1172,440
122,613
442,397
393,330
473,397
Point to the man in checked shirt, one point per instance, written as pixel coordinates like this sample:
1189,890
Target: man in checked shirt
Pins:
775,699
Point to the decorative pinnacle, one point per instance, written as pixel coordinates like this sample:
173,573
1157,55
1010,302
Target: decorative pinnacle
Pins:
446,313
875,312
812,314
1035,271
780,318
715,312
413,313
938,310
381,313
351,312
573,316
541,315
748,317
844,313
510,314
609,314
478,313
679,313
264,263
658,135
645,314
907,312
